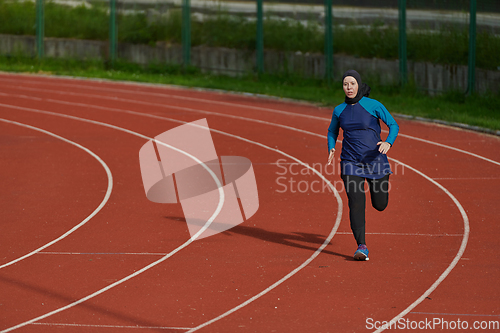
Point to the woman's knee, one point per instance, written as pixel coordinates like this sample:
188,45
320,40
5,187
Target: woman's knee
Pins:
380,205
379,190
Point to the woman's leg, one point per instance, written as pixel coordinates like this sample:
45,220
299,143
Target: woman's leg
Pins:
379,192
355,189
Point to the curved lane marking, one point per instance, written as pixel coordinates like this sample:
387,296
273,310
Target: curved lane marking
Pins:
101,205
314,255
228,104
457,203
418,301
191,239
459,254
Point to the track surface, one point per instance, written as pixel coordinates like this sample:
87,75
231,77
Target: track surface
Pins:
70,175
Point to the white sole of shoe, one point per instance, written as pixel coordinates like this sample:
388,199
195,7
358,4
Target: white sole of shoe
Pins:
360,256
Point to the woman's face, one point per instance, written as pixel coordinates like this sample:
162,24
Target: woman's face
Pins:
350,86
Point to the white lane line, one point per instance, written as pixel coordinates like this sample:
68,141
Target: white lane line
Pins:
451,148
338,233
101,205
232,105
212,174
414,304
314,255
186,98
142,103
268,289
459,254
193,238
418,301
113,326
104,253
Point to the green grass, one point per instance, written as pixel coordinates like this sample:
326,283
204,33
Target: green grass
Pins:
474,110
448,46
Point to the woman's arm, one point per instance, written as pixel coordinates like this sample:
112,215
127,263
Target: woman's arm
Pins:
387,118
333,132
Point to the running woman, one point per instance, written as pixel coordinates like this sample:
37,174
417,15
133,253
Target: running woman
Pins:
363,157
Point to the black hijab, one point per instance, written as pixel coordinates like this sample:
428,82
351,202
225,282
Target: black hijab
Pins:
363,88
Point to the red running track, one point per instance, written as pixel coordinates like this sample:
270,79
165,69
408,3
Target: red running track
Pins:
83,250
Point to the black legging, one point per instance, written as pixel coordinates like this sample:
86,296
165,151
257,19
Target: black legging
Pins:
355,189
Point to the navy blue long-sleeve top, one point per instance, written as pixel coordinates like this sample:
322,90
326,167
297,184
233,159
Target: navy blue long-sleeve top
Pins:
361,125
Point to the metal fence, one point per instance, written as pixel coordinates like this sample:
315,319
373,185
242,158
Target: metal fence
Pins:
419,27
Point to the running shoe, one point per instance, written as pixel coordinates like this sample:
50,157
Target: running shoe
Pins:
361,253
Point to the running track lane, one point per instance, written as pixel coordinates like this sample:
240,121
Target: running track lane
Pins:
18,108
483,141
24,184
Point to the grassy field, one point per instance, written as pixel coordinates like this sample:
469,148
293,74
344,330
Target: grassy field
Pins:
475,110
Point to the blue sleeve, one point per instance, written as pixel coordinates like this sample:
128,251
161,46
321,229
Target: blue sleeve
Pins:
333,129
381,112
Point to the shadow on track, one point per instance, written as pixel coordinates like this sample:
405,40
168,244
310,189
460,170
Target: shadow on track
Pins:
296,239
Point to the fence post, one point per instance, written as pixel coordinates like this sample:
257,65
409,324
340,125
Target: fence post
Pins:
112,32
403,67
260,38
186,32
471,77
328,41
40,28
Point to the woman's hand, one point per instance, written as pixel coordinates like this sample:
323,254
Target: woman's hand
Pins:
331,156
384,147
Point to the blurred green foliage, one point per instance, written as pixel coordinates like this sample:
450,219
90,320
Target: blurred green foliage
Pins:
447,46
